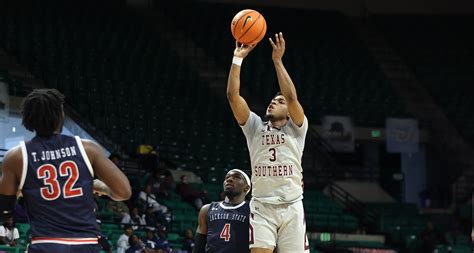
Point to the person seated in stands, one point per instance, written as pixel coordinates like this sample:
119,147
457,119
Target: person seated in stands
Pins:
188,241
430,238
151,241
146,197
134,219
167,181
9,233
189,194
136,245
150,218
163,243
158,183
122,242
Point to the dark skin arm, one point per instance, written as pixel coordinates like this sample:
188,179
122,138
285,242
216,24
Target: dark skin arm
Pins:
11,172
287,87
201,231
112,180
202,221
239,106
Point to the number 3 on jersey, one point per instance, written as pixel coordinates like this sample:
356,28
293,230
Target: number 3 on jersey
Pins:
225,233
273,154
49,174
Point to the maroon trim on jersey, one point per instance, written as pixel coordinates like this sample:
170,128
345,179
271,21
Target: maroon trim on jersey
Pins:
251,235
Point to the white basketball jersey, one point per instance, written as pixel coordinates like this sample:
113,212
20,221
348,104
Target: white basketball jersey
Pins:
275,156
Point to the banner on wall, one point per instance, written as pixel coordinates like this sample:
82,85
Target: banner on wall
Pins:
4,102
403,135
338,132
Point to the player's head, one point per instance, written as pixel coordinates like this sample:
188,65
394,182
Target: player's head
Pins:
128,230
277,109
9,222
134,240
43,112
236,183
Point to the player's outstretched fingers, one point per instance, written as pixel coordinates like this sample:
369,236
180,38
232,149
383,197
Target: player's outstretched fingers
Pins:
272,43
282,40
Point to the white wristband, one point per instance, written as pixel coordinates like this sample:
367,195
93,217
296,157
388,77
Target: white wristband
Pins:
237,60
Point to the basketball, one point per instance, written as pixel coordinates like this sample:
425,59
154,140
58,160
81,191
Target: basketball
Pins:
248,27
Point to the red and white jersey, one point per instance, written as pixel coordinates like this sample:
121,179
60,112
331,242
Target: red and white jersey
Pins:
275,156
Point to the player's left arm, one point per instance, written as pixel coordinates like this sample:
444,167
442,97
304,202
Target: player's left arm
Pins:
287,87
201,231
9,181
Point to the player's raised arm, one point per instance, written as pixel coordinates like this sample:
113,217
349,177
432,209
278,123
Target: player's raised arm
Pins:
9,181
239,106
287,87
116,184
201,231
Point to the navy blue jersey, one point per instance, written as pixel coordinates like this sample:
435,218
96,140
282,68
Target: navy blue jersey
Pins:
228,228
57,184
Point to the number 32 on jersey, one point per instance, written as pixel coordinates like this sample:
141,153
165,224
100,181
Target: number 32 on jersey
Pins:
49,174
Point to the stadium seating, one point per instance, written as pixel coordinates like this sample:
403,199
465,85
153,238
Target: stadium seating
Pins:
325,215
440,51
331,68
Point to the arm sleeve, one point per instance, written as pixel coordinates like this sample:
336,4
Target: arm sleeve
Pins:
7,205
200,246
2,231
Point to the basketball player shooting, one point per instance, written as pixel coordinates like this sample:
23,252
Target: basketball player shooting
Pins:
224,226
55,174
276,148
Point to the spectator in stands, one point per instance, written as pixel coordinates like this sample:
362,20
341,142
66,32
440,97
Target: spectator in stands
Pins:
134,219
430,238
163,243
136,245
119,208
146,197
150,218
122,242
167,183
8,232
150,240
189,194
157,182
188,241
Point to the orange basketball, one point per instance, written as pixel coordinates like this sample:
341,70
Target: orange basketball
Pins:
248,27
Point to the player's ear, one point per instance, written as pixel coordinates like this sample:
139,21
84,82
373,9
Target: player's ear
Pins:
247,189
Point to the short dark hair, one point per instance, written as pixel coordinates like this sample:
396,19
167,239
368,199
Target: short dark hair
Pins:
42,111
277,94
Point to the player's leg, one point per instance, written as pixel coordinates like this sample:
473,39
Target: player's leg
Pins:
263,228
292,234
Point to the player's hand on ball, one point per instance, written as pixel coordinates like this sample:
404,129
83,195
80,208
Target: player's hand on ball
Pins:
278,46
242,50
100,188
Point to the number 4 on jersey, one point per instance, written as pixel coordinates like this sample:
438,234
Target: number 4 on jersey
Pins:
225,233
